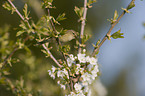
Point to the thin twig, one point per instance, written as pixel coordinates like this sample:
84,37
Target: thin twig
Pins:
51,56
108,33
83,25
16,10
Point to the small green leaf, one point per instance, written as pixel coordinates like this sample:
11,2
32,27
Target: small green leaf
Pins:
55,21
117,35
61,17
23,25
26,13
79,11
115,15
9,61
131,5
85,38
97,44
64,48
7,6
20,32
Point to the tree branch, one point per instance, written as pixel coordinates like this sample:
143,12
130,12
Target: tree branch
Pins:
108,33
83,25
16,10
51,56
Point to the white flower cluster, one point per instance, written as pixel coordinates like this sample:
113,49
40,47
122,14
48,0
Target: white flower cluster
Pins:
81,66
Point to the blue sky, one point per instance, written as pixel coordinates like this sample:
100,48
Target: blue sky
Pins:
128,53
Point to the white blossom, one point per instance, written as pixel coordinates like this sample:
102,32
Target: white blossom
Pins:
77,68
88,73
53,69
86,76
72,57
51,74
81,58
94,74
69,62
96,68
88,59
78,87
93,61
78,65
60,73
84,83
58,82
66,73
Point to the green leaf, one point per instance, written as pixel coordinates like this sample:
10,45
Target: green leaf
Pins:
79,11
48,18
9,7
115,15
26,13
117,35
64,49
85,38
131,5
61,17
20,32
97,44
23,25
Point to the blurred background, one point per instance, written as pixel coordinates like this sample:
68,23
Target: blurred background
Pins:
122,61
